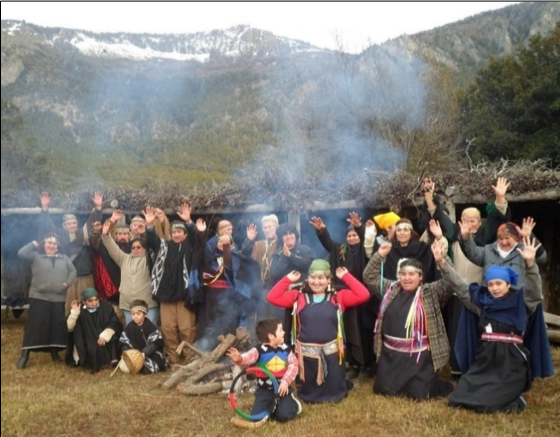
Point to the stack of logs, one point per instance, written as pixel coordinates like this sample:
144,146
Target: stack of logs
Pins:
201,375
552,327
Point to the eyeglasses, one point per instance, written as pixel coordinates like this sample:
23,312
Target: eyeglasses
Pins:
136,247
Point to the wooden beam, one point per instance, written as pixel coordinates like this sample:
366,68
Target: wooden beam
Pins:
552,319
553,335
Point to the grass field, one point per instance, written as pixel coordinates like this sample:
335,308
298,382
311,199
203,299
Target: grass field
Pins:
51,399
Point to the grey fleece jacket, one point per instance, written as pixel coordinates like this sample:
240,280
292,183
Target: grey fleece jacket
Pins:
48,274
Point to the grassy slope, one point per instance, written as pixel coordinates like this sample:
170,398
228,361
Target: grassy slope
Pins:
51,399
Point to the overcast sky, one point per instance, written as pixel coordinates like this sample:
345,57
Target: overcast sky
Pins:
358,24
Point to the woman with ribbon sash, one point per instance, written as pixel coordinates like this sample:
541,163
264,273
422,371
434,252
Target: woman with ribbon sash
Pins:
410,339
501,370
317,331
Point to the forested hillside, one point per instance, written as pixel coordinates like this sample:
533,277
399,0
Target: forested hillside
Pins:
76,119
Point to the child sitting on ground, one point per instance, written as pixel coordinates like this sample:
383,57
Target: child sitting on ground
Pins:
143,335
272,354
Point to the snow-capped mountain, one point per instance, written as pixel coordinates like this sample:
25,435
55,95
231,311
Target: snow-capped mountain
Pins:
200,46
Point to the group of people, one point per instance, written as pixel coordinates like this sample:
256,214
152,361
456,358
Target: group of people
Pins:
466,293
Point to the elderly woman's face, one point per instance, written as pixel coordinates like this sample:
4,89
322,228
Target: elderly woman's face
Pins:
269,229
70,225
473,223
51,247
506,242
498,287
138,228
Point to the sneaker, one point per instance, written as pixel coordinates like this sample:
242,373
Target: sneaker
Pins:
299,407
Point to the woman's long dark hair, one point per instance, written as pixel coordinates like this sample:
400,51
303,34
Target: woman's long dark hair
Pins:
144,244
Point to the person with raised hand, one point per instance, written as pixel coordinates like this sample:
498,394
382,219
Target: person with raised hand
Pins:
351,255
317,329
410,339
501,369
74,242
175,262
135,274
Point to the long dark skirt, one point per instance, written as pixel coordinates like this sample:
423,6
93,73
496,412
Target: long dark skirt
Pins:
402,374
333,389
398,374
451,314
46,326
497,378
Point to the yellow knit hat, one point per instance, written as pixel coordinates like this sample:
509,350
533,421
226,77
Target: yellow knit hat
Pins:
385,221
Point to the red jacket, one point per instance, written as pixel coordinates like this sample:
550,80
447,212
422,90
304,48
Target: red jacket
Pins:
354,295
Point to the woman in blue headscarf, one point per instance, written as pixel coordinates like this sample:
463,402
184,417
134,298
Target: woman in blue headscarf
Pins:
501,370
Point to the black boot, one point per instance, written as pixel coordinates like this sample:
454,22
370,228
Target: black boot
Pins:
54,355
23,359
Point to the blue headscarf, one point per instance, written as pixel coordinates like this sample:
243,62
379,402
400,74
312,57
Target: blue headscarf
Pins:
504,273
509,309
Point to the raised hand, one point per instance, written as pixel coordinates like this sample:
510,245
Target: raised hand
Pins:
501,187
185,213
75,305
200,225
106,227
252,232
527,227
428,187
384,249
317,223
97,227
45,200
529,251
439,253
286,251
465,231
97,199
340,272
354,219
149,215
116,216
435,229
294,276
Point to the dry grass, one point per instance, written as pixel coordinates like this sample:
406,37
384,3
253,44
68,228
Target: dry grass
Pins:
51,399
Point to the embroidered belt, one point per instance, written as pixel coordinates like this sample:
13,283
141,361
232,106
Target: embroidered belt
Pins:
405,344
318,352
502,338
219,284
